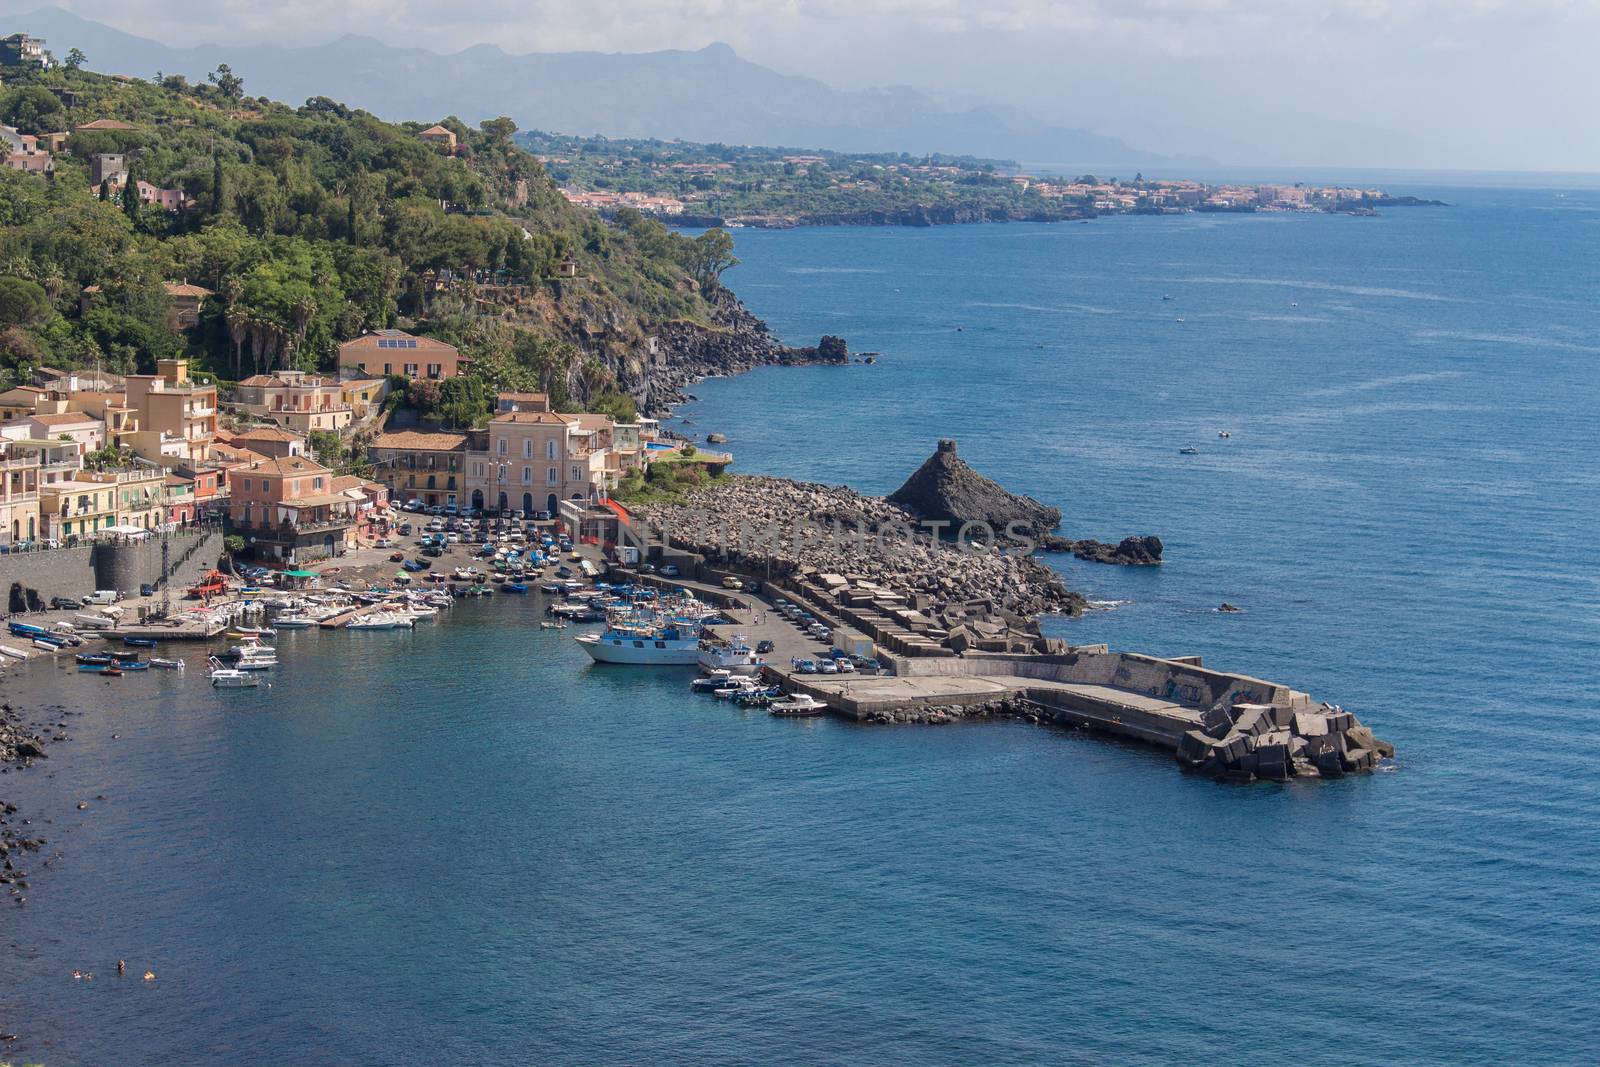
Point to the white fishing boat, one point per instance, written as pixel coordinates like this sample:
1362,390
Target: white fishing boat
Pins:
294,622
644,643
166,664
735,657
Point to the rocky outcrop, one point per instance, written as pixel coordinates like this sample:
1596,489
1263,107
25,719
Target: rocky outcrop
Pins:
1130,551
946,489
734,342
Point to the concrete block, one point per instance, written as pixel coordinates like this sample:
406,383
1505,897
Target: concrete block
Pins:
1230,749
1359,759
1216,722
1310,724
1193,746
1340,721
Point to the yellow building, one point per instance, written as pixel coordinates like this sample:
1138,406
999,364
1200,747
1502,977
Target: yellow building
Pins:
77,509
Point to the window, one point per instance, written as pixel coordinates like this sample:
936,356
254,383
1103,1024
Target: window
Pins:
527,448
550,449
247,483
553,476
500,446
577,473
527,475
316,483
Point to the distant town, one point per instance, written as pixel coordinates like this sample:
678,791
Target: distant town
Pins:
699,184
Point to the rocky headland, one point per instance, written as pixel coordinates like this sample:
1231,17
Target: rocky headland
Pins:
735,341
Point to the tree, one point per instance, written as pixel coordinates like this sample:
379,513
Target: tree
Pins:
130,195
709,255
32,109
105,190
499,130
23,302
75,59
229,84
219,187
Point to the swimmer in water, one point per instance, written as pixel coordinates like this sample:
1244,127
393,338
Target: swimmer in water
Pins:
122,968
149,976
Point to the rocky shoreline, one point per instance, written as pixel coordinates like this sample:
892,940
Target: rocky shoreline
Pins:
736,341
21,744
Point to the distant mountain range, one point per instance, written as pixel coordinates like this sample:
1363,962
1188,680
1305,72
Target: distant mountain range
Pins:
706,95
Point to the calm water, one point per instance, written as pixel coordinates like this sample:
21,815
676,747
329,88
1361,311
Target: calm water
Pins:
464,845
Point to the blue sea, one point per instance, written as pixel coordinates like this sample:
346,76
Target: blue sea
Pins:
467,845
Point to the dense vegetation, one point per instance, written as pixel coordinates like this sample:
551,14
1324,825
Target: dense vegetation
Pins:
747,182
311,225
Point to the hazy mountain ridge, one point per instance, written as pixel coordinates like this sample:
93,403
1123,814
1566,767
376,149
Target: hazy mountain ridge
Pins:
706,95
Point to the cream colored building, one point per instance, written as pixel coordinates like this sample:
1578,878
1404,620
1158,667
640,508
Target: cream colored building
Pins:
19,494
530,461
177,417
296,400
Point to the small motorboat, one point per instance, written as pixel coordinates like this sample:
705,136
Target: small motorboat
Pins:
110,670
166,664
139,642
1191,451
552,626
45,646
228,678
800,706
245,633
711,682
1224,434
124,657
134,665
516,587
295,622
97,659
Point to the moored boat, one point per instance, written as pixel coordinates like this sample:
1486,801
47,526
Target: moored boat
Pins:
799,706
166,664
139,642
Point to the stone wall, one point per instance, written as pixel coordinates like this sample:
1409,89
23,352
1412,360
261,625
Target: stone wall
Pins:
28,580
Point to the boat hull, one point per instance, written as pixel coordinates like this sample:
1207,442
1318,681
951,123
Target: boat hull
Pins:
642,651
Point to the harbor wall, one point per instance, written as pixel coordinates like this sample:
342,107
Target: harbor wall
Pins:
28,580
1182,681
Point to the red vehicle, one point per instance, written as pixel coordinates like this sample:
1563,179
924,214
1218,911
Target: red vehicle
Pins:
213,583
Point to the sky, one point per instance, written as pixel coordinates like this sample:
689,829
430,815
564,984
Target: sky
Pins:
1449,84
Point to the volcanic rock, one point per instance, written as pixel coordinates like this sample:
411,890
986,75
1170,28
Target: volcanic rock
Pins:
946,489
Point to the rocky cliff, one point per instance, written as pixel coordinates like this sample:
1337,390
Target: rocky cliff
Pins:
946,489
735,341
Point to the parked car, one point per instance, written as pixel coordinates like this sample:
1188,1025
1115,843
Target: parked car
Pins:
731,582
669,570
397,557
828,666
383,542
763,647
451,509
65,603
405,529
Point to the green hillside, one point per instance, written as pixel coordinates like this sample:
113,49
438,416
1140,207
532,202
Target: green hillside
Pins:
311,225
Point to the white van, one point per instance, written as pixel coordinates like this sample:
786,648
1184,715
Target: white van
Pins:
103,596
